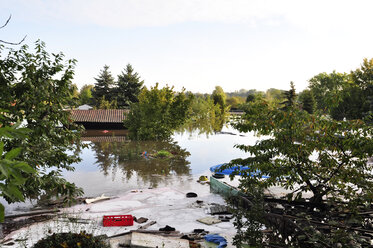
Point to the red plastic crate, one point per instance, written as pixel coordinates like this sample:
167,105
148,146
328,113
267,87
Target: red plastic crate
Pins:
118,220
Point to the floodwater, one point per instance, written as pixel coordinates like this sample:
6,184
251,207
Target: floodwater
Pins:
113,165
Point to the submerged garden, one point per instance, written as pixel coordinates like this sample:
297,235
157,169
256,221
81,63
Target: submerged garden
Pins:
317,142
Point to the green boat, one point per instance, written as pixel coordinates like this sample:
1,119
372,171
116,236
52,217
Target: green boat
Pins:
223,188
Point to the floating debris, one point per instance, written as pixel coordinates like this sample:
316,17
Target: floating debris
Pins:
141,220
219,209
191,195
209,220
97,199
167,228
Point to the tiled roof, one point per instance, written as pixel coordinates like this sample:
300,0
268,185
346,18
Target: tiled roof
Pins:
104,139
99,115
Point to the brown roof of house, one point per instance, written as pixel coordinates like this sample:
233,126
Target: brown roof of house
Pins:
99,115
105,138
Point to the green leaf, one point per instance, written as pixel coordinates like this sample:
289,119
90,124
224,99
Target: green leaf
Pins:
4,168
13,153
18,179
1,148
14,192
24,167
2,212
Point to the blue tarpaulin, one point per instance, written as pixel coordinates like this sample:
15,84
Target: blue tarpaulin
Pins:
236,170
217,239
228,171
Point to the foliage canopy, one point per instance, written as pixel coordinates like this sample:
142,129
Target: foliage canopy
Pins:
306,152
14,173
307,101
205,116
35,88
312,157
343,95
219,98
71,240
85,94
158,113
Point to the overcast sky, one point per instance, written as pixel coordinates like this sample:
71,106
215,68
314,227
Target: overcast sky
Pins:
198,44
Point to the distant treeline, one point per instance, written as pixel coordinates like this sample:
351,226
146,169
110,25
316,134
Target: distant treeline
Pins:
339,95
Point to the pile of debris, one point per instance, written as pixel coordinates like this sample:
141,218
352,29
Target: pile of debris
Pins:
170,218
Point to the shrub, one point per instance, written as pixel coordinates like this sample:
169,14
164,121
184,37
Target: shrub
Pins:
163,154
71,240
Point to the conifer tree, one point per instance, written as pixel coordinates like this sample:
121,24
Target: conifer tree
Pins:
128,87
290,96
307,101
103,86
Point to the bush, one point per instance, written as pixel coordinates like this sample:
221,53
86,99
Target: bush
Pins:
71,240
158,113
163,154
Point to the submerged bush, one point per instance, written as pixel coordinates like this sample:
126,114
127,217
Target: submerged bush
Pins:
163,154
158,113
71,240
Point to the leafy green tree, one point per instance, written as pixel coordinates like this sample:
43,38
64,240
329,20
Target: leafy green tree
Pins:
104,104
85,94
104,86
311,154
128,87
158,113
34,89
290,98
363,80
254,96
219,98
203,116
13,172
368,116
74,96
274,97
307,101
235,101
345,95
363,76
250,98
327,90
350,106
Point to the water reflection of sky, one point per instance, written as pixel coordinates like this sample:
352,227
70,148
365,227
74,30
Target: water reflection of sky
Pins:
117,174
214,149
88,158
115,167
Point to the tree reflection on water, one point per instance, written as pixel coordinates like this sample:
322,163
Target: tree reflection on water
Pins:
128,158
117,155
207,125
